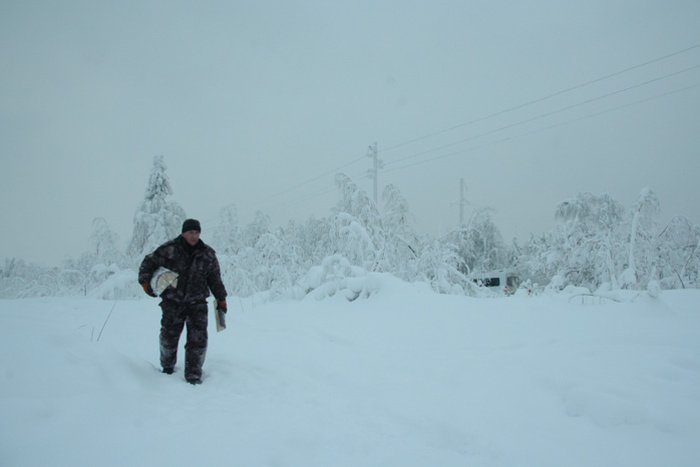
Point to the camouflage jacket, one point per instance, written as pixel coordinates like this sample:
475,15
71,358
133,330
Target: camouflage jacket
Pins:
196,265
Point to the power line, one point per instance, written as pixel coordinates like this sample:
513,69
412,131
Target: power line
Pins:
510,109
322,191
546,114
549,96
365,175
307,182
280,193
508,138
305,197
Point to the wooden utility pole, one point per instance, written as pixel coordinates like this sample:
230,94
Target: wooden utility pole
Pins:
374,172
462,201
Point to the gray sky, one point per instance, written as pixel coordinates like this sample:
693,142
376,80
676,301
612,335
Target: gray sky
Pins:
259,103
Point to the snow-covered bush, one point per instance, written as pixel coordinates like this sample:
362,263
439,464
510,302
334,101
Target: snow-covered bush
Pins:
678,263
597,244
335,275
119,284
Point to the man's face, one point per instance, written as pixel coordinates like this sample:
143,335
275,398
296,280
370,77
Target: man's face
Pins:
191,237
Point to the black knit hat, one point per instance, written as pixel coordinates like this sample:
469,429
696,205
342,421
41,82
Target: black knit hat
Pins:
191,224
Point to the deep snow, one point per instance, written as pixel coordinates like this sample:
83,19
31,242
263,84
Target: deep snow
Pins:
405,377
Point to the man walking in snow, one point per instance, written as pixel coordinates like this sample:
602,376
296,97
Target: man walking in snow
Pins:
198,273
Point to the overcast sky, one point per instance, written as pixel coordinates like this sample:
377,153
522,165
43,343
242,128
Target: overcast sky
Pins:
259,103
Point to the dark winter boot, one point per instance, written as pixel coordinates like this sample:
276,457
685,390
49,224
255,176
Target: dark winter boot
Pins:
168,371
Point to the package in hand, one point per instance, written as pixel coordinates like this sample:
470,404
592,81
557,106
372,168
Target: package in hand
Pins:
220,316
162,279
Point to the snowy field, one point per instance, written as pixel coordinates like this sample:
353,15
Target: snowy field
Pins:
402,378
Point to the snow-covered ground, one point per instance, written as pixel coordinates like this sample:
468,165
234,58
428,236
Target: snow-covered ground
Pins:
403,378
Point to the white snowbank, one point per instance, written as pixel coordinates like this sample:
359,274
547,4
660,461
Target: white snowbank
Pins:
400,377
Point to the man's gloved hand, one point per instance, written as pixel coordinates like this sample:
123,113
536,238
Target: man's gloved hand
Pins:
221,305
147,288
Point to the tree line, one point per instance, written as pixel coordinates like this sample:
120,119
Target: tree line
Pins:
597,243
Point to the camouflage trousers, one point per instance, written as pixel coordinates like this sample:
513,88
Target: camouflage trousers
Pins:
175,316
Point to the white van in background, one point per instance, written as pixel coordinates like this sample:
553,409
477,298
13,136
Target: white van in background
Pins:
499,281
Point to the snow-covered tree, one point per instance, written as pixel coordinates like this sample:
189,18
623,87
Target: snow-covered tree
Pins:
238,271
439,266
157,219
541,259
227,237
678,263
480,243
355,201
355,231
310,241
19,279
591,246
105,243
401,247
642,239
105,270
597,243
257,228
275,271
348,237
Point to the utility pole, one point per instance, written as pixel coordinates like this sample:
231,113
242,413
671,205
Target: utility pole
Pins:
374,171
462,201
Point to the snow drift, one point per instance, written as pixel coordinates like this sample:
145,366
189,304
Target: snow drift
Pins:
398,376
